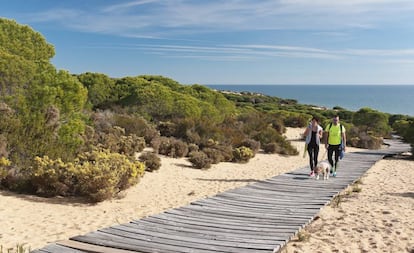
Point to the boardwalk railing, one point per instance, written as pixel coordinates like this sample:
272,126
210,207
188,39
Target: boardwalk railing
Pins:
260,217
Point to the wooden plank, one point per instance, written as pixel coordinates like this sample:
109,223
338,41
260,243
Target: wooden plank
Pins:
267,200
222,229
215,222
197,209
268,207
273,199
82,247
165,244
53,247
259,217
218,234
209,216
249,210
189,238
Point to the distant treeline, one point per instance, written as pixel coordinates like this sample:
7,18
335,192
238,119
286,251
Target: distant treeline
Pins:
78,135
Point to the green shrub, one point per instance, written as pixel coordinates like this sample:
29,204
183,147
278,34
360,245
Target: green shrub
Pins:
200,160
179,148
4,168
214,155
48,177
136,126
226,152
170,146
252,144
167,129
193,147
362,139
242,154
268,135
152,161
101,174
116,140
272,148
297,120
97,175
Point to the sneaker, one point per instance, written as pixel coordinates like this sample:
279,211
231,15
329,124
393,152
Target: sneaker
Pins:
312,174
334,174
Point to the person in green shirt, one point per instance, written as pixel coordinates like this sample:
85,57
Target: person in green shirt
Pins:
335,142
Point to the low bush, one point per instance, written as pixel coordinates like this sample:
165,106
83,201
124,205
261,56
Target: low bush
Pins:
200,160
152,161
272,148
193,147
170,146
252,144
242,154
361,139
97,175
214,155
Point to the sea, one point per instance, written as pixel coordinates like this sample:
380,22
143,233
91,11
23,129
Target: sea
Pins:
393,99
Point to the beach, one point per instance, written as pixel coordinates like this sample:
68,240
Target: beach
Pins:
378,218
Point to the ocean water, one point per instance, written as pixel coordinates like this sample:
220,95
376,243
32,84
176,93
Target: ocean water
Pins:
394,99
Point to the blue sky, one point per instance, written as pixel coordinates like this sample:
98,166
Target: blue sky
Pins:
229,41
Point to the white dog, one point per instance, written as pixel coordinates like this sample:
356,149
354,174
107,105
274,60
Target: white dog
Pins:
324,169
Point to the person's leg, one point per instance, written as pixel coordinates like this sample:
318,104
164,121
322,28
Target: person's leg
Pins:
330,152
336,154
310,153
315,156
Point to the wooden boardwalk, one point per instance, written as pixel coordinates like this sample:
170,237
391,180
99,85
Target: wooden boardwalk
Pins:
261,217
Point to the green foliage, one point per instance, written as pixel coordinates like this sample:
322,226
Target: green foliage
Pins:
97,175
116,141
46,104
218,100
362,139
372,121
22,41
297,120
136,125
170,146
214,155
100,88
200,160
272,148
101,174
252,144
152,161
242,154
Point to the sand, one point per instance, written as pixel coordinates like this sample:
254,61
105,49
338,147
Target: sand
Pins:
376,215
35,221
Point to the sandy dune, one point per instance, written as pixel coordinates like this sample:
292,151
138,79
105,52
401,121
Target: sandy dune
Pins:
374,220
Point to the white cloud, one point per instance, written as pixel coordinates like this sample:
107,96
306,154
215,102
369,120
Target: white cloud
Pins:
143,17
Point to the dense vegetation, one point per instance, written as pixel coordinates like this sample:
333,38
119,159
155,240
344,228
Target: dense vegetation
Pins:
78,135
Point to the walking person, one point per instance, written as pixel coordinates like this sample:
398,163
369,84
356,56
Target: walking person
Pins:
313,135
335,142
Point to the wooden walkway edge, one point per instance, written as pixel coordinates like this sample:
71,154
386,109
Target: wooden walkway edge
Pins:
257,218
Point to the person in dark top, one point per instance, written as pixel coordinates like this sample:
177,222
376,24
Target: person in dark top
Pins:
313,134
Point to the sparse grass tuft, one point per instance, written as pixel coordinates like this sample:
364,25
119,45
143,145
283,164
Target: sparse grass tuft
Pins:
336,201
356,188
303,236
358,181
20,248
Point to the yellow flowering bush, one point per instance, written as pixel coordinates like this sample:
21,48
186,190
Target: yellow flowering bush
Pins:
242,154
101,174
4,164
97,175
